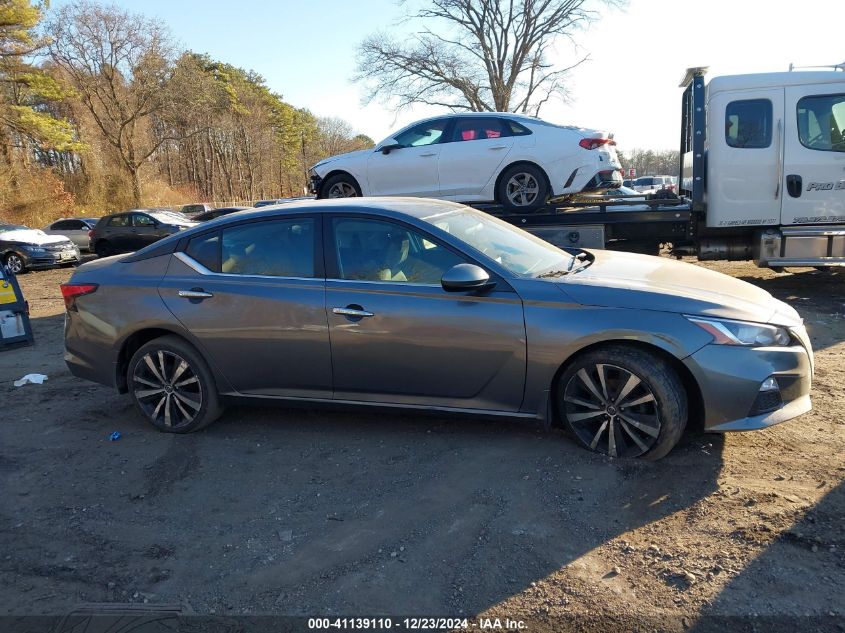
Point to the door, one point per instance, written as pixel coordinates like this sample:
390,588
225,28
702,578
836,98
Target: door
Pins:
745,134
814,160
145,231
398,337
118,232
476,149
253,295
410,170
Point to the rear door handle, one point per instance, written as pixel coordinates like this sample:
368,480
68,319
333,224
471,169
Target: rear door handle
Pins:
352,312
498,147
429,154
195,293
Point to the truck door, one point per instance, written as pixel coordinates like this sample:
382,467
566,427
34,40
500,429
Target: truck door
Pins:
814,160
745,134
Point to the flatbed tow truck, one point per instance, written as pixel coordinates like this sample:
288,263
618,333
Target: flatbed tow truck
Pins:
761,177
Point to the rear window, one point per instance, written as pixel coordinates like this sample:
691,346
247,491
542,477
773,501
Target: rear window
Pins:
644,182
748,123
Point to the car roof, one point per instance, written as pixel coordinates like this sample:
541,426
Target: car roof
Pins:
414,207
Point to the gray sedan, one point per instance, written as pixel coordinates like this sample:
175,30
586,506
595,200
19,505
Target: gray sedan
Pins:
419,304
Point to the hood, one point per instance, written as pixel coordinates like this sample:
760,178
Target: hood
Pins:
626,280
33,236
331,159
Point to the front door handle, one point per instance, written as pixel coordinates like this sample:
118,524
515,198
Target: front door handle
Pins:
793,185
195,293
429,154
352,311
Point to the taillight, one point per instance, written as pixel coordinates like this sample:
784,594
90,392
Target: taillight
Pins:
593,143
90,234
71,291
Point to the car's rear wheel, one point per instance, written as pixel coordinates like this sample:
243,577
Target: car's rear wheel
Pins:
15,263
172,386
340,186
103,249
522,188
623,402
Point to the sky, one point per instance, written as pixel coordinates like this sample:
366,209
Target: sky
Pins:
629,86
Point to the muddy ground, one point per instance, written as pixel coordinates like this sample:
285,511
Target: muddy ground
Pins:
313,512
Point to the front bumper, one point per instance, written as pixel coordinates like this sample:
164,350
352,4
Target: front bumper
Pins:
730,377
52,258
314,182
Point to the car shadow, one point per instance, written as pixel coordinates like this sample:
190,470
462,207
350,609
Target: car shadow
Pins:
819,297
807,565
308,511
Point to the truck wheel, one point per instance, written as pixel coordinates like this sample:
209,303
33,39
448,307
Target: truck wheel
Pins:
14,262
522,188
623,402
340,186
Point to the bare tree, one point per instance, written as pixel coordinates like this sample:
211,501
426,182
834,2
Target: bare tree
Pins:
120,64
492,55
337,136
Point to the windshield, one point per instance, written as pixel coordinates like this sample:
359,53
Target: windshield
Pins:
520,252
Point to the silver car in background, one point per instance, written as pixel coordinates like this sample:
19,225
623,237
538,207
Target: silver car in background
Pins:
411,303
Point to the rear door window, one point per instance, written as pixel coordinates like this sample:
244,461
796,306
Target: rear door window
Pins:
120,220
277,248
205,250
478,128
748,123
821,122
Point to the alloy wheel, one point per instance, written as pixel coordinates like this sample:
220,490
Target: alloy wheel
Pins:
342,190
15,263
612,410
167,388
522,189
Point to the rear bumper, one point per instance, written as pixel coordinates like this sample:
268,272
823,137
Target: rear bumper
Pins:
730,378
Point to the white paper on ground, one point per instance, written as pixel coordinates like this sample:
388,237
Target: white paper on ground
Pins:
35,379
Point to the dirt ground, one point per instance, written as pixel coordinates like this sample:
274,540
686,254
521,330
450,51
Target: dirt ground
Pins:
300,512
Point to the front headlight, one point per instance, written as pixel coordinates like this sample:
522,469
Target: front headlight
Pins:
728,332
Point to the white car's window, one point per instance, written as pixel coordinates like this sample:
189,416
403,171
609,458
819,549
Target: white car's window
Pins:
426,133
520,252
478,128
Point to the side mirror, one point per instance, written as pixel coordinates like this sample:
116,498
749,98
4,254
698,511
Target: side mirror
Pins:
465,277
389,145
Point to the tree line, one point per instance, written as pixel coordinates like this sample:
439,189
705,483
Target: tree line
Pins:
99,112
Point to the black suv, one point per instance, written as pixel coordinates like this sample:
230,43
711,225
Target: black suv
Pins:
131,230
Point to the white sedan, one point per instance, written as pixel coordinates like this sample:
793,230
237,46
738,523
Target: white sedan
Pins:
515,160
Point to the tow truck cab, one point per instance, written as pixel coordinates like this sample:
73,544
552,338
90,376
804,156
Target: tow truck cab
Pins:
763,162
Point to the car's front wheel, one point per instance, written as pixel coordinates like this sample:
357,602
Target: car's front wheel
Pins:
522,188
340,186
15,263
172,386
623,401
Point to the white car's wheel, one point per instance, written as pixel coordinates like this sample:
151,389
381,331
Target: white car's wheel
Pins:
340,186
522,188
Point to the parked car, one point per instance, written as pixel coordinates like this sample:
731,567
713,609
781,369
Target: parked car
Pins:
515,160
23,248
191,210
627,183
131,230
267,203
216,213
653,184
75,229
426,304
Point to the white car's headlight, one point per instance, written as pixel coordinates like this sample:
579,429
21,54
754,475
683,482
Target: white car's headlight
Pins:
728,332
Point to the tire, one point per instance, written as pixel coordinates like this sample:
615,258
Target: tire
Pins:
15,263
653,411
522,188
187,404
103,248
340,186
